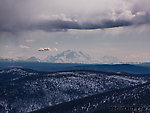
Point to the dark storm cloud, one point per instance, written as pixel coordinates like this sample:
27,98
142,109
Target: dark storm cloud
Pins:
60,25
64,25
24,15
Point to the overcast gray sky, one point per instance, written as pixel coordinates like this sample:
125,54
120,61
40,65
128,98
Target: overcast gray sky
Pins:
39,28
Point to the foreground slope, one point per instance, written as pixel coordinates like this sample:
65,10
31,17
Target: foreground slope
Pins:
134,99
27,90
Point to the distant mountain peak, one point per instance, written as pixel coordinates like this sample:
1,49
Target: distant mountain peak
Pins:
70,56
33,59
110,60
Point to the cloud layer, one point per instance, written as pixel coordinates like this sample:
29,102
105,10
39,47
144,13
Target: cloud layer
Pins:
45,49
48,49
50,15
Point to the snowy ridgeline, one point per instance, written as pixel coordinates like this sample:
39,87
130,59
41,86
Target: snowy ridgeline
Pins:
127,100
27,90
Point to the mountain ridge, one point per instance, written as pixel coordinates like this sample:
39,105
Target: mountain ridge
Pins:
93,104
68,56
54,67
36,90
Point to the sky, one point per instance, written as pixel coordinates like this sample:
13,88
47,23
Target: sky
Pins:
119,28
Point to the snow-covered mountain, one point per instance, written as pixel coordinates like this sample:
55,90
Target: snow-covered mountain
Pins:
109,60
32,59
70,56
21,59
5,59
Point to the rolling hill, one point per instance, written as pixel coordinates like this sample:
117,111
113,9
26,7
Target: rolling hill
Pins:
27,90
